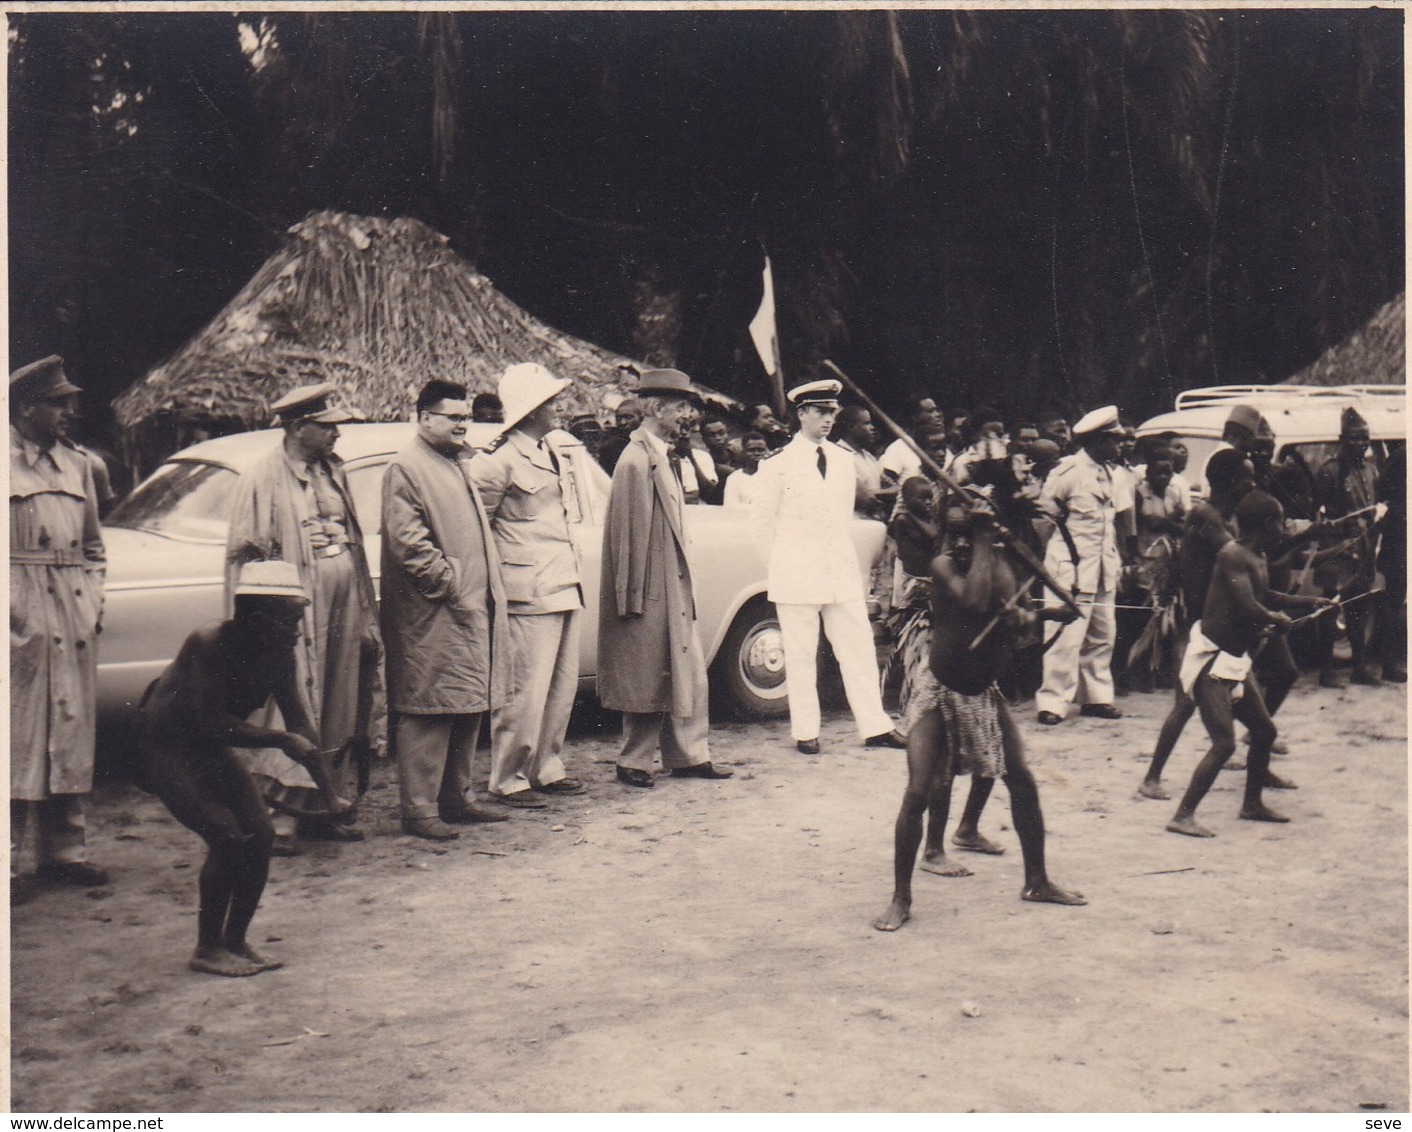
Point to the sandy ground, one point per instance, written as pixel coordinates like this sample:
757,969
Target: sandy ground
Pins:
707,947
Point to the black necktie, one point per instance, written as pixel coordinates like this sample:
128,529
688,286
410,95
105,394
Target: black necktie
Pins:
823,463
553,459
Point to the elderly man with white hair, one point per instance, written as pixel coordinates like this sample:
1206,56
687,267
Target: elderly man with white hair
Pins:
529,484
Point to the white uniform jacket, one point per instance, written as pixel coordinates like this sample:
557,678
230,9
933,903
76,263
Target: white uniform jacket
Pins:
1085,496
805,522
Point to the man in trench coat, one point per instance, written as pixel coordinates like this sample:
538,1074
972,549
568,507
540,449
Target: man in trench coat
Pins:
295,506
443,617
56,602
650,662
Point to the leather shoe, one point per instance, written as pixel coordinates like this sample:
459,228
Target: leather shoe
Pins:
521,800
563,786
1395,673
887,739
1100,711
1367,675
1050,719
471,812
285,846
631,776
433,829
80,873
808,746
329,830
701,770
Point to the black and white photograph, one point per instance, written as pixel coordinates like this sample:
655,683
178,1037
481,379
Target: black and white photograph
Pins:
535,531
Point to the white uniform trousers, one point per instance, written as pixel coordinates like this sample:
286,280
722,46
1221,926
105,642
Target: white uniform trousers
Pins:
846,626
1079,665
681,739
434,754
527,734
60,829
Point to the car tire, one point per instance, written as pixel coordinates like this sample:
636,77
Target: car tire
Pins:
747,675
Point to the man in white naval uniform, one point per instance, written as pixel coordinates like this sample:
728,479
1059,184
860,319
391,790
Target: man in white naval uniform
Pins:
528,488
803,506
1083,496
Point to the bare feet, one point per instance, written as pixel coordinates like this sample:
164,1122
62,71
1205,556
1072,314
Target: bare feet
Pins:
1189,827
1260,813
245,951
897,914
943,866
1154,791
1234,764
219,961
1047,892
976,843
1275,782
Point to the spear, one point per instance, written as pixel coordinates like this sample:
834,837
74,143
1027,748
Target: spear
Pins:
1008,537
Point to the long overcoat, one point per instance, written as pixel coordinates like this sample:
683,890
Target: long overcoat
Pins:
56,599
646,611
268,521
443,607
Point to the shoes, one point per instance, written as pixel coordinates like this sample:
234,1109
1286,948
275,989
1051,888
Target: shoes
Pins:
701,770
1395,673
887,739
330,830
1050,719
23,889
1367,675
631,776
433,829
80,873
285,846
1329,678
471,812
521,800
1100,711
808,746
563,786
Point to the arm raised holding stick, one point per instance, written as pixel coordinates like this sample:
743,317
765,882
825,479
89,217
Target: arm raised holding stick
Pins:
1012,542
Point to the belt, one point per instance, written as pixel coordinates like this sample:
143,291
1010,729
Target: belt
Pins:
61,557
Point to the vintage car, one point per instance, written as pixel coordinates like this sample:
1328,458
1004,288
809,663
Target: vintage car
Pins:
1305,420
166,552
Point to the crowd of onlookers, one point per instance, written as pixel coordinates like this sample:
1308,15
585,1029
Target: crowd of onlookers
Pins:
1329,509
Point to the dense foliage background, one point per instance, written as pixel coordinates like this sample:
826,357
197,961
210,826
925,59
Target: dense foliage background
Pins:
1016,207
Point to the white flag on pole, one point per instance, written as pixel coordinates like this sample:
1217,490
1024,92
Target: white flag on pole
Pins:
762,326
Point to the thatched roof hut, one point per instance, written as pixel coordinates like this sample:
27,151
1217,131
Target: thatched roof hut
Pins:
1375,354
379,306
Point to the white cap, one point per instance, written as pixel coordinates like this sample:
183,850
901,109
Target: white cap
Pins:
816,393
270,579
525,387
1100,420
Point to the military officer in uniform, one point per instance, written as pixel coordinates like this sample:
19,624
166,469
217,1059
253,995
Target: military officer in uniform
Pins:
528,484
803,506
56,602
1084,496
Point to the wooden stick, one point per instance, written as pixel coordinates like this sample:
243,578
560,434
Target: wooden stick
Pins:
1011,540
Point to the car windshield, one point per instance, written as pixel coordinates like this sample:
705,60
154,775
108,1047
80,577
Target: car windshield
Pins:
184,499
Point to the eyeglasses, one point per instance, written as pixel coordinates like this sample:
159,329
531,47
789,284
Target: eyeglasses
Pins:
454,418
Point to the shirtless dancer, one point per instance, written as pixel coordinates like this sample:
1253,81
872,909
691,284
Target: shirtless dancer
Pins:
1216,668
958,719
1210,525
190,718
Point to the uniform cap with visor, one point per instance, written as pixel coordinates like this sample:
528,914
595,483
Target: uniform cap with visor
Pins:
311,403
